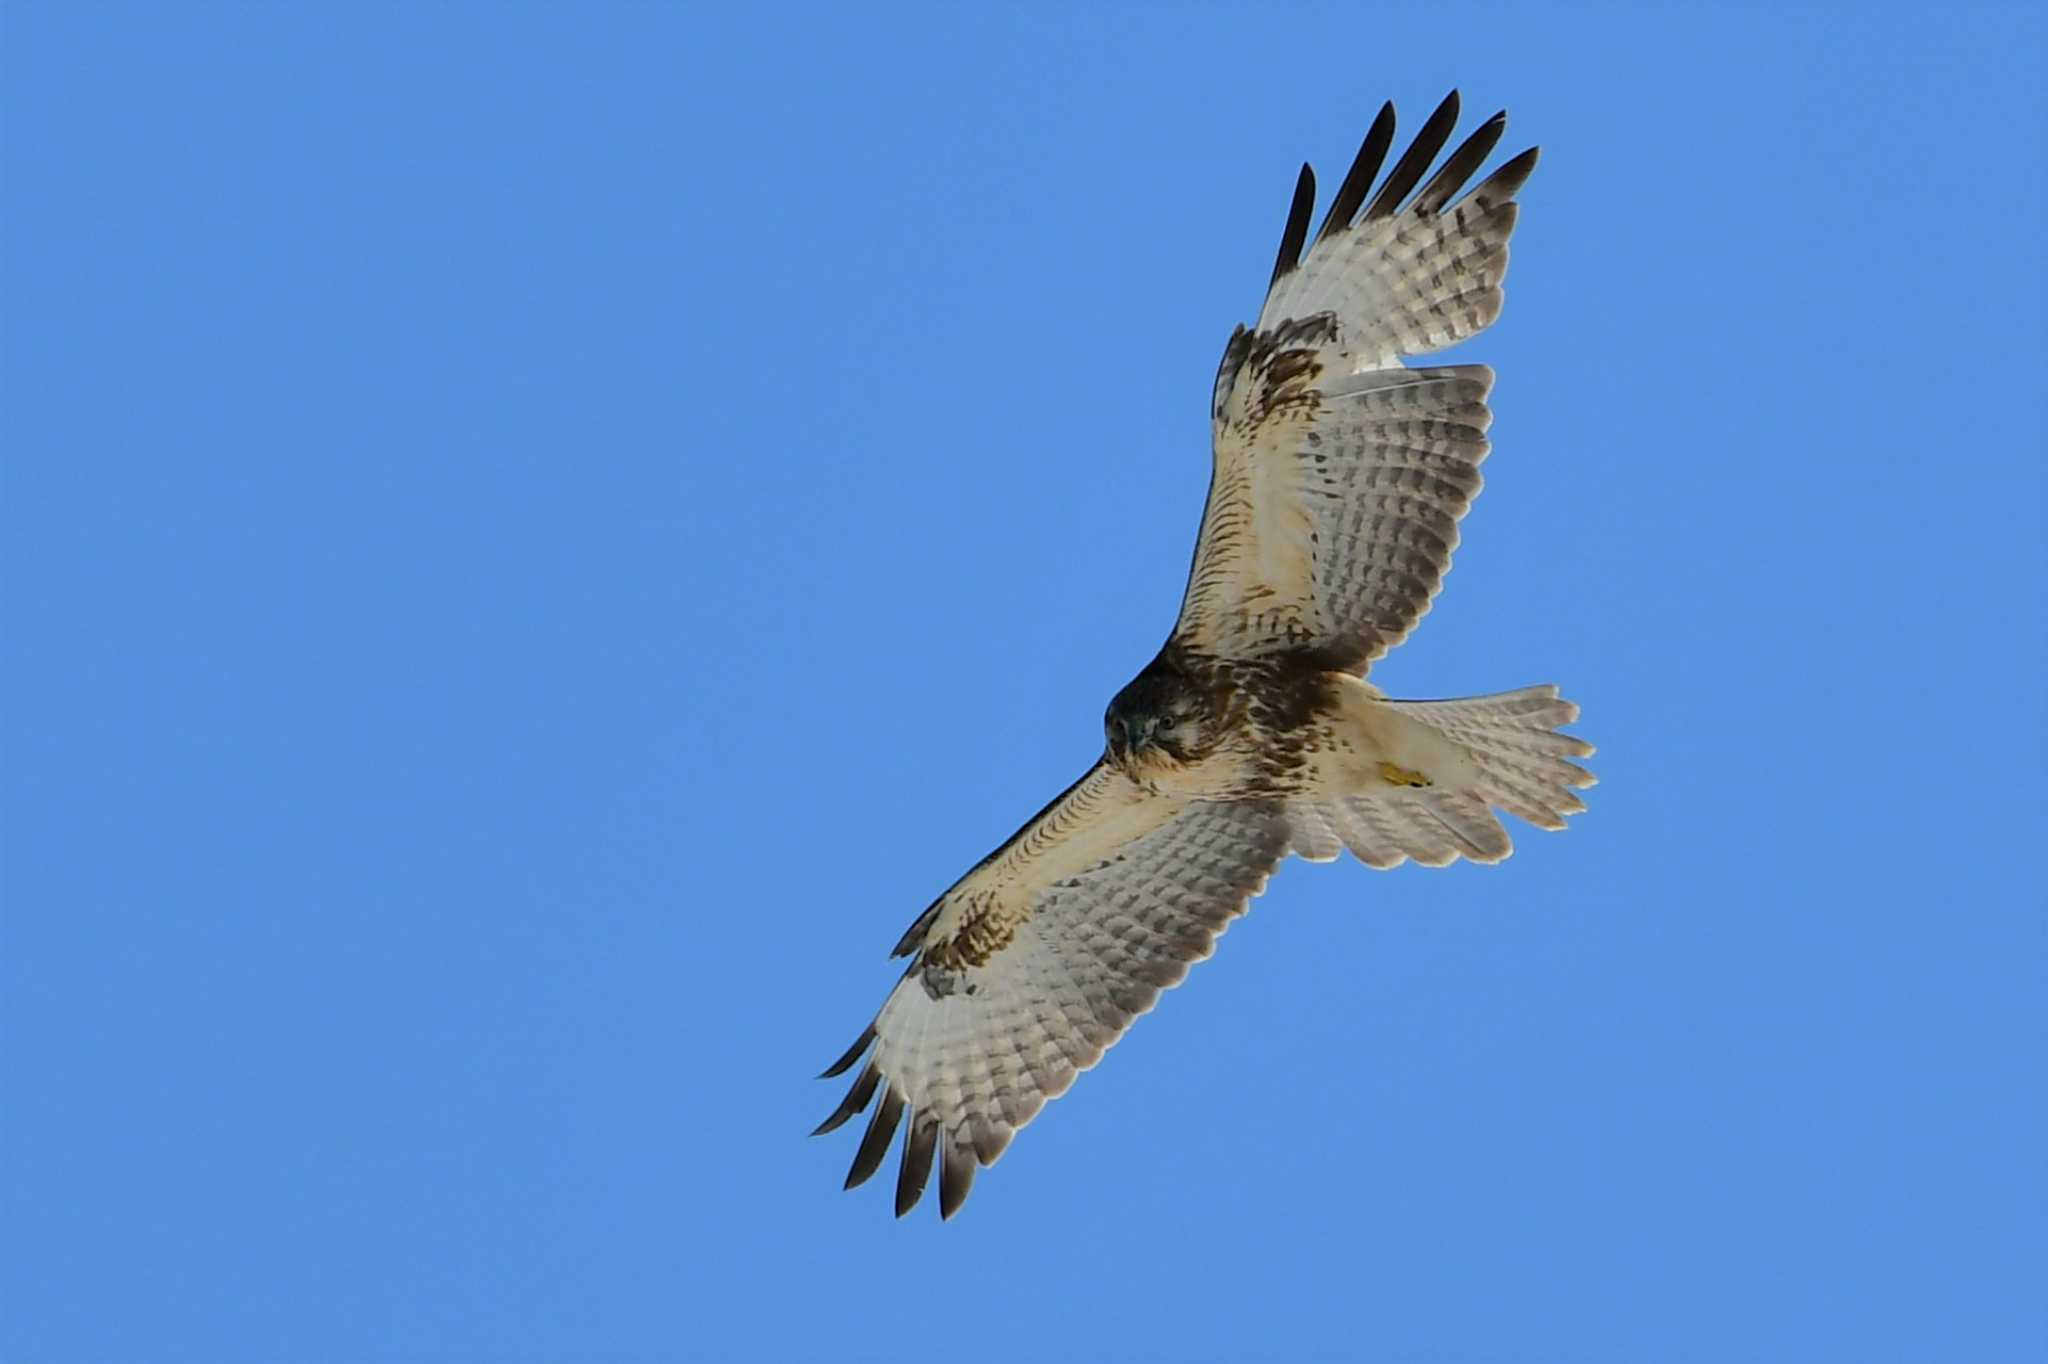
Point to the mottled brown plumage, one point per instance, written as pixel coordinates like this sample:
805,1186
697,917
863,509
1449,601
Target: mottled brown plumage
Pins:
1338,480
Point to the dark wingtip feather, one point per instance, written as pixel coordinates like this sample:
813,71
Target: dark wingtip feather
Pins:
1372,154
1407,172
956,1177
1458,168
856,1099
1502,185
866,1040
1296,235
916,1170
875,1144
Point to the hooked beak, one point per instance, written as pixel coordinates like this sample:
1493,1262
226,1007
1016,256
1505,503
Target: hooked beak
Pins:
1128,736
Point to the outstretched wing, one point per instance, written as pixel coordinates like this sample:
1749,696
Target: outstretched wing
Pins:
1037,961
1340,476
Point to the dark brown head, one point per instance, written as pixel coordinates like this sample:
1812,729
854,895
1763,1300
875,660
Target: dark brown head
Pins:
1161,714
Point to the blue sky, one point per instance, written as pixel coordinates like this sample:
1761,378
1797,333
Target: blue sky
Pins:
538,538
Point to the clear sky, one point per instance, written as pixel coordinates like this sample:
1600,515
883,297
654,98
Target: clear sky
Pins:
538,538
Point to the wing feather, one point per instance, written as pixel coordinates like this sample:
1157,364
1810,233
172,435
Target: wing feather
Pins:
1456,170
856,1100
920,1144
1407,172
1295,234
874,1144
956,1174
1372,154
1038,961
1339,475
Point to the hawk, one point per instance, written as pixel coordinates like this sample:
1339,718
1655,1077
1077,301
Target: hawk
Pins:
1339,479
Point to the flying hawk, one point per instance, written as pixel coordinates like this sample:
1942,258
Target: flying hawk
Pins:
1339,479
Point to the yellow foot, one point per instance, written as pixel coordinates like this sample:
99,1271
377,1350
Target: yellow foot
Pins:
1401,776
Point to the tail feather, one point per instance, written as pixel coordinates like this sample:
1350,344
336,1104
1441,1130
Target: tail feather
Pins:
1512,739
1471,825
1469,757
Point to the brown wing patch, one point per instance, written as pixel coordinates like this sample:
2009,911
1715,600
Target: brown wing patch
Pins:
1276,370
984,931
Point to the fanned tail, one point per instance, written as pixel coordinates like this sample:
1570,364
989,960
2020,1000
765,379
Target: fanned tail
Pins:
1449,765
1522,760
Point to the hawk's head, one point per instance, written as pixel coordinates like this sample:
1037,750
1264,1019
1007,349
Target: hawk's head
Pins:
1162,716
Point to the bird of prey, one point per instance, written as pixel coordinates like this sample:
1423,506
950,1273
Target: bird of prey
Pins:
1338,482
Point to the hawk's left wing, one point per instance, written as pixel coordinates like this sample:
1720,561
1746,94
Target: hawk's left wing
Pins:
1340,476
1037,961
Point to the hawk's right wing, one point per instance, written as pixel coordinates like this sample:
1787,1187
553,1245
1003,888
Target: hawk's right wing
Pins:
1340,475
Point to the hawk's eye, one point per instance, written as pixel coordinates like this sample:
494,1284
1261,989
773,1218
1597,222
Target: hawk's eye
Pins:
1166,722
